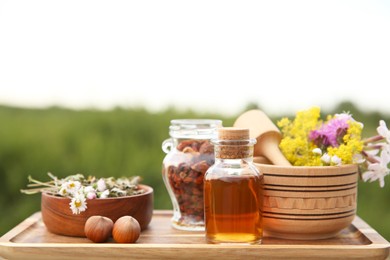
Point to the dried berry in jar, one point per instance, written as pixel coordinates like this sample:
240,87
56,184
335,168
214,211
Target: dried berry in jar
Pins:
186,178
190,155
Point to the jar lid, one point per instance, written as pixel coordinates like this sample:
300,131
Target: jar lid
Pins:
194,128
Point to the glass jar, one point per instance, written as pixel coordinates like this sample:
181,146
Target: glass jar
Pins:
233,191
189,153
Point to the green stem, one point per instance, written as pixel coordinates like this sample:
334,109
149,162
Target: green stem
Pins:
46,184
34,191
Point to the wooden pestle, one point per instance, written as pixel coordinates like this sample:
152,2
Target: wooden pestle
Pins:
266,133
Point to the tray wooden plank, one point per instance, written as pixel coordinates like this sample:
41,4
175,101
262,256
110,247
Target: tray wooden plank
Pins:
31,239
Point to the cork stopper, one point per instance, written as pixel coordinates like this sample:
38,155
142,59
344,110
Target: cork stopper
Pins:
233,133
233,143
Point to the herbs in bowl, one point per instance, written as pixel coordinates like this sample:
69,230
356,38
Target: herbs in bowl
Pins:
67,203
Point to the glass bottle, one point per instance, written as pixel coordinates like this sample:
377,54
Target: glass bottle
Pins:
189,153
233,191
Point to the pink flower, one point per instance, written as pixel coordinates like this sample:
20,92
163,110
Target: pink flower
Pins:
91,195
331,133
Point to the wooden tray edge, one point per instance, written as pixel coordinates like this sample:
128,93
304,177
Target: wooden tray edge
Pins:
22,226
378,249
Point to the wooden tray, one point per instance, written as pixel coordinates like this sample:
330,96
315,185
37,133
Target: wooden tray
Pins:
31,240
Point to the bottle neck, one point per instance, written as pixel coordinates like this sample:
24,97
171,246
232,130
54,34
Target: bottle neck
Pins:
234,151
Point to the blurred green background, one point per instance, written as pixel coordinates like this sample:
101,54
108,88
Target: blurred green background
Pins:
122,142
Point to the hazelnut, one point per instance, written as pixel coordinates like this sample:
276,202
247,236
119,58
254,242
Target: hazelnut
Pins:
98,228
126,230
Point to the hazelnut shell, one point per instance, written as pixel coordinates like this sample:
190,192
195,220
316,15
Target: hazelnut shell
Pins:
126,230
98,228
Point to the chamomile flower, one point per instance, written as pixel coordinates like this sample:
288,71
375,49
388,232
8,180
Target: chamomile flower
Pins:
71,187
89,189
63,191
104,194
90,192
78,203
101,185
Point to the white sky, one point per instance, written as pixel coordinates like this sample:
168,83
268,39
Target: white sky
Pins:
205,55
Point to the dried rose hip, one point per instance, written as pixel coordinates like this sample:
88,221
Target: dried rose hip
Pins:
185,172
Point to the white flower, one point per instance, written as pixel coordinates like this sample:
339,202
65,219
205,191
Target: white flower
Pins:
383,130
78,203
386,150
71,187
317,151
89,189
372,152
63,191
90,192
358,158
104,194
378,171
101,185
325,158
384,154
336,160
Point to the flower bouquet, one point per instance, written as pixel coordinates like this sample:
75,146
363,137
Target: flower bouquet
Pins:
309,141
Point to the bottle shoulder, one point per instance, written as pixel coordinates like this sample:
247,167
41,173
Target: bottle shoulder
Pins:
223,168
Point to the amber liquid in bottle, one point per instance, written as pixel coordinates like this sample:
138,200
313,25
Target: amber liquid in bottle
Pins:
233,209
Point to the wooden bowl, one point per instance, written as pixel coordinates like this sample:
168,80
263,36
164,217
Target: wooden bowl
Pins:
59,218
308,202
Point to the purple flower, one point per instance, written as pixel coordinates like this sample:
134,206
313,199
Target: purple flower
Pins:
331,133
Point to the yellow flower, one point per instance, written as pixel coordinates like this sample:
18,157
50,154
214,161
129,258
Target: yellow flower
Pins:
351,145
295,144
339,137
